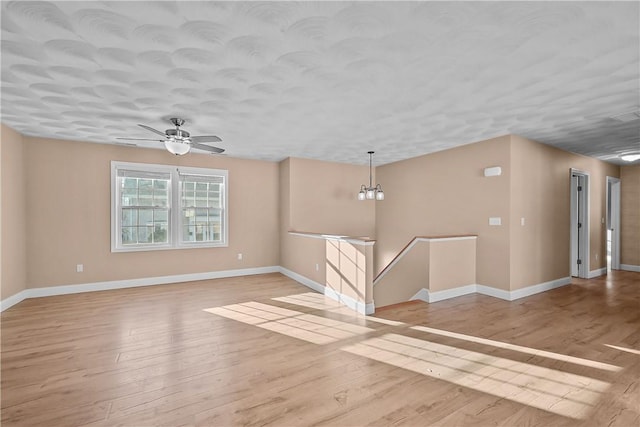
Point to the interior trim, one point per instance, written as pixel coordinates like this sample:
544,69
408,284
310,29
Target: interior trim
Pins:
130,283
358,306
426,296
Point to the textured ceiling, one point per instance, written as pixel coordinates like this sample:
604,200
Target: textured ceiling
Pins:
326,80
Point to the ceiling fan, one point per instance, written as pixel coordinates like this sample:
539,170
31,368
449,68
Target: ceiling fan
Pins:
178,141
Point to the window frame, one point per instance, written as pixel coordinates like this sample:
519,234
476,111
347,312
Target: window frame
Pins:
174,189
224,207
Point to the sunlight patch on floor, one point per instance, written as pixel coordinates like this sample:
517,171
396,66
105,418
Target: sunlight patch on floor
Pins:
321,302
628,350
312,300
554,391
521,349
304,326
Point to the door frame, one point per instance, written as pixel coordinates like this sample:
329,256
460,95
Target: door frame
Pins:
579,205
613,219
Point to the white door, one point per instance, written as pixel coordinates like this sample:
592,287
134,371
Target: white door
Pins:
579,224
613,223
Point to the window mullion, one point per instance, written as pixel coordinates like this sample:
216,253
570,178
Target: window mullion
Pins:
117,233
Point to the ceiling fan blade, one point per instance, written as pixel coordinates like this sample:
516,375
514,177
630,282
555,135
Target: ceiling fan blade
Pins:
152,129
206,148
141,139
205,138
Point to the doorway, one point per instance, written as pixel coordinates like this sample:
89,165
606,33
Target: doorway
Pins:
579,224
613,223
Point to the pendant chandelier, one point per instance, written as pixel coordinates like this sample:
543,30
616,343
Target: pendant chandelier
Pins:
370,192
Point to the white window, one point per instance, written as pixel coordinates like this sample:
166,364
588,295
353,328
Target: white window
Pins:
167,207
201,208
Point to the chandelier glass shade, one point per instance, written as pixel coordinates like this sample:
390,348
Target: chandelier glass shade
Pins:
371,192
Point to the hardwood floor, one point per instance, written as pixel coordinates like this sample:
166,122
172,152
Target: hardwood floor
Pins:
263,350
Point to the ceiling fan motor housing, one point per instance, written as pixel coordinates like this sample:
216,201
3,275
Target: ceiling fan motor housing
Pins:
178,133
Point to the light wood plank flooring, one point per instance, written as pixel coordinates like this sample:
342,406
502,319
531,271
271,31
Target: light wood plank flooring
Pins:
264,350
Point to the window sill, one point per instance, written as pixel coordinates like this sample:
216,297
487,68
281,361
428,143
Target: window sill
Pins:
169,247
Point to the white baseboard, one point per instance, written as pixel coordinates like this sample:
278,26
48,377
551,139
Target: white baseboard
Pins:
541,287
494,292
422,295
452,293
131,283
357,306
427,296
302,280
597,273
630,267
14,299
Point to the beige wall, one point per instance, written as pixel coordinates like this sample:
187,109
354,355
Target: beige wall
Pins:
434,265
404,279
323,198
452,264
13,277
68,199
346,270
446,193
63,208
540,193
2,130
298,254
320,197
630,215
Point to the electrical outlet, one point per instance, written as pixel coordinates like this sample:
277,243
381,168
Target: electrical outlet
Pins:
79,268
240,257
317,267
495,220
522,221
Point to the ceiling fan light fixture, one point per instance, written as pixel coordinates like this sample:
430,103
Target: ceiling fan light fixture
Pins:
630,157
180,142
176,147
